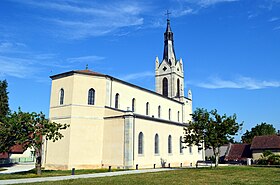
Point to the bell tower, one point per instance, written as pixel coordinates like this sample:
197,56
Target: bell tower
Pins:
169,72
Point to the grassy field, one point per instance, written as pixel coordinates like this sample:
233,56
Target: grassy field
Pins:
222,175
49,173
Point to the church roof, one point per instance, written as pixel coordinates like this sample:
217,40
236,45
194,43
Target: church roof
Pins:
266,142
169,52
93,73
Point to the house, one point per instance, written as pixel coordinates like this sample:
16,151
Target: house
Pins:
17,154
119,124
238,153
264,143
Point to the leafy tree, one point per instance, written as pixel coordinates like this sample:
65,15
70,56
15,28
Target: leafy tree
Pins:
4,100
28,130
269,158
259,130
211,129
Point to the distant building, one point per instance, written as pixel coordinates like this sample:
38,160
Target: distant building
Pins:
116,123
264,143
238,153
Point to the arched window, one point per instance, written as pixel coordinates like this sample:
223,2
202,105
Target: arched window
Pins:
117,101
180,144
178,116
169,114
159,111
140,143
133,104
169,144
165,87
61,97
147,108
156,144
91,96
178,87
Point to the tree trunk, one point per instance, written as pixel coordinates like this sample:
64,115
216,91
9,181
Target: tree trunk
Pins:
216,152
38,164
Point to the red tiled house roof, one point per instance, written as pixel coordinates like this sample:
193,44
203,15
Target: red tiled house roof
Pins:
266,142
4,155
17,149
238,152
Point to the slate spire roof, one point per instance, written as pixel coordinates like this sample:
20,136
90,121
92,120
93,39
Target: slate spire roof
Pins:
169,52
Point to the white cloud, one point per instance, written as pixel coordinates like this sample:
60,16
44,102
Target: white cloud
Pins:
206,3
273,19
276,28
240,82
83,19
90,58
136,76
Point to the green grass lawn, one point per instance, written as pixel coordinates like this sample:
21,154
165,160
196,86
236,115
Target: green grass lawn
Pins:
49,173
222,175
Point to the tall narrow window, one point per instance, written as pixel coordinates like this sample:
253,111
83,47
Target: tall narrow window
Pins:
178,87
181,146
133,104
61,97
156,144
169,144
169,114
159,111
178,116
140,143
165,87
117,101
147,108
91,96
190,149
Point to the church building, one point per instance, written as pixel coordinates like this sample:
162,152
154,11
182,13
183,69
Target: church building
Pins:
119,124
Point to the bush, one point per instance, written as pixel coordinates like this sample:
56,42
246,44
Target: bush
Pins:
268,158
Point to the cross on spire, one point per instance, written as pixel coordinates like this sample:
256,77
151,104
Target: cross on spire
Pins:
167,14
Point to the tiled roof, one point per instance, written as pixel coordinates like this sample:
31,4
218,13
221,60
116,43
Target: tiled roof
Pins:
88,72
17,149
266,142
238,152
4,155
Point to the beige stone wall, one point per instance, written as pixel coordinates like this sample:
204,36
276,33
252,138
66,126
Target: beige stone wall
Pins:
98,134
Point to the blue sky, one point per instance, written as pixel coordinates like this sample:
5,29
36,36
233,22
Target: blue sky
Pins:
230,49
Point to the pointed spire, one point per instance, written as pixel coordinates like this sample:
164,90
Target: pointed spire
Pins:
169,53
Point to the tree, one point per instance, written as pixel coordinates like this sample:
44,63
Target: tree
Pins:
28,130
4,100
211,129
259,130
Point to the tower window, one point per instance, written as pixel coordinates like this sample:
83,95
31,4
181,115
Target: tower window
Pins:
147,108
178,87
140,143
117,100
91,96
164,68
133,104
61,97
178,116
165,87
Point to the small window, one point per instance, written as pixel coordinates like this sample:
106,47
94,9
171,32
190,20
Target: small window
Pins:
133,104
61,97
147,108
156,144
180,144
140,143
190,149
169,144
169,114
159,111
178,87
178,116
117,99
91,96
